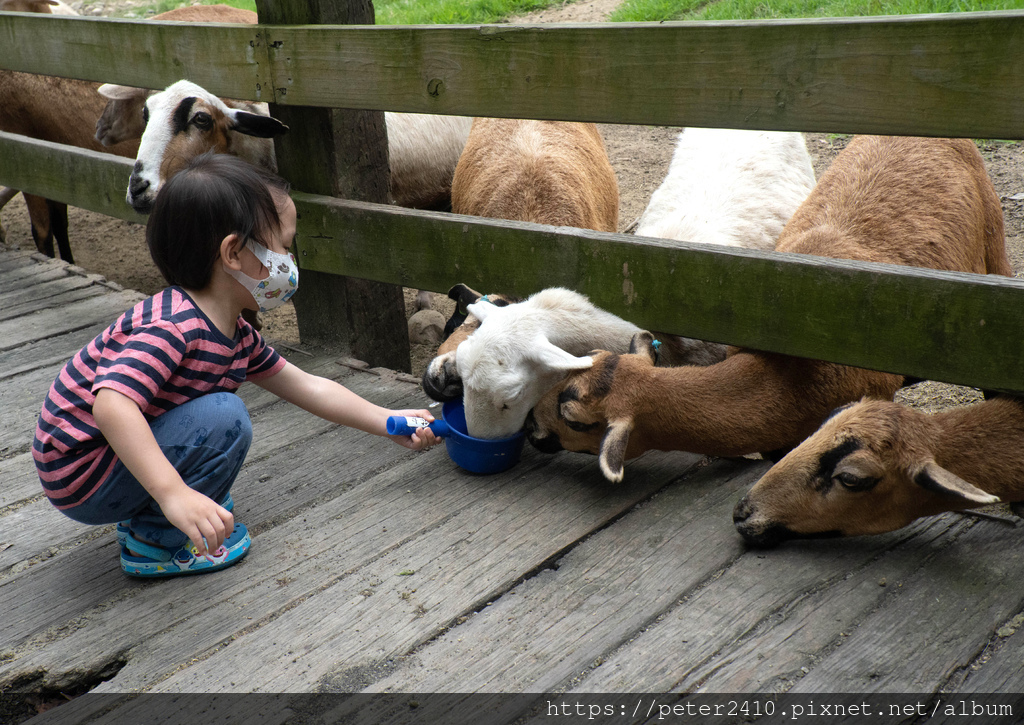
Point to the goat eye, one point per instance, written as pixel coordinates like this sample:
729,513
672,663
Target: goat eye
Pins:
145,116
504,406
203,120
852,482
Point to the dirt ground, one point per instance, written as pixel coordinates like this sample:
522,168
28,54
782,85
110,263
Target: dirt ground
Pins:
639,154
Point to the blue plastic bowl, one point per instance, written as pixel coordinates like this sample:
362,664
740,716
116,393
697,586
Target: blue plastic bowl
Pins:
478,455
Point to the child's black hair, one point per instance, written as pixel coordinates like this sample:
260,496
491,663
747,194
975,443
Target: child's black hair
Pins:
213,196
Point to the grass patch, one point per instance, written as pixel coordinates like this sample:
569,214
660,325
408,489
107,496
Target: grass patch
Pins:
453,12
394,12
162,6
644,10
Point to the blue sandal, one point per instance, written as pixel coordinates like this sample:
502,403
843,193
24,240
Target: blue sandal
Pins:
156,561
123,527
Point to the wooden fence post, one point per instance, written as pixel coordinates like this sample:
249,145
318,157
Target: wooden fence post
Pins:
340,153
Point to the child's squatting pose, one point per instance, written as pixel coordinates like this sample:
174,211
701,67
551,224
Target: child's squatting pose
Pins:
142,426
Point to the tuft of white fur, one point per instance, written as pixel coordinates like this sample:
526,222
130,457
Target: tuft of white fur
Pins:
730,187
520,351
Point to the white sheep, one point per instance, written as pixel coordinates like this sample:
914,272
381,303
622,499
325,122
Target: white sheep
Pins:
914,201
875,466
730,187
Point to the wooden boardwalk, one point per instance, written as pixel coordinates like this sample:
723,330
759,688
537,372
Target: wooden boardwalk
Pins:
377,569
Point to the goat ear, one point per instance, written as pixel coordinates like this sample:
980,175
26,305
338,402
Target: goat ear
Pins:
552,357
643,344
120,93
253,124
613,449
480,310
933,477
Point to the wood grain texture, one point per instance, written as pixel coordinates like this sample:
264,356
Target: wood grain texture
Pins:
947,75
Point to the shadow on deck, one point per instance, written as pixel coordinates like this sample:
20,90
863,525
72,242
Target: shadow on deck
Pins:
377,569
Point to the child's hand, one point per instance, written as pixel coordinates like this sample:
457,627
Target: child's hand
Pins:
420,440
199,517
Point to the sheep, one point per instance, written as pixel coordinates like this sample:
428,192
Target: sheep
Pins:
54,7
441,379
876,466
423,149
52,109
730,187
185,120
912,201
547,172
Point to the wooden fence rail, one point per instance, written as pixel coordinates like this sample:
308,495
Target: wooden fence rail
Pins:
958,75
951,75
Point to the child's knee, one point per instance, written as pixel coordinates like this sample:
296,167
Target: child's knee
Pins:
232,417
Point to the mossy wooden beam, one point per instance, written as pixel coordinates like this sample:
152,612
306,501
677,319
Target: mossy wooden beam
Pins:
954,327
82,178
958,74
226,59
953,75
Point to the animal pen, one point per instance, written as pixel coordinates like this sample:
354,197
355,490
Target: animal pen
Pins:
815,617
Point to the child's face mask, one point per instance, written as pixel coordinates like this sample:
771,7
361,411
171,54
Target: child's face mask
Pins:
276,289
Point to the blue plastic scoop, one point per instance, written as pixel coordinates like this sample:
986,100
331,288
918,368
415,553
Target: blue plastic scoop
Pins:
476,455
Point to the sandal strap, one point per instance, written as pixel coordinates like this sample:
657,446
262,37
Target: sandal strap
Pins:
150,551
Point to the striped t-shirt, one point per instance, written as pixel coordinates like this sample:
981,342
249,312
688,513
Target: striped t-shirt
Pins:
161,353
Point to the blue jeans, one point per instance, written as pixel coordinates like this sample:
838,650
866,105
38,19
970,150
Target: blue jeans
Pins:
205,439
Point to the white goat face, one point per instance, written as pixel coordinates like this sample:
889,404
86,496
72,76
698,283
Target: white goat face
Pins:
506,368
183,121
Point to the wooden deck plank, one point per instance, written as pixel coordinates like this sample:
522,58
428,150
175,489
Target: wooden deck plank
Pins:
18,483
466,538
63,293
797,603
595,598
42,286
946,611
88,313
49,353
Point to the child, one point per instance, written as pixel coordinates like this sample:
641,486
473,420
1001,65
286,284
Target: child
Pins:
141,427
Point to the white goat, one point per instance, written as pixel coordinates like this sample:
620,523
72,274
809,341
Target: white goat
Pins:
730,187
186,120
875,466
580,328
521,350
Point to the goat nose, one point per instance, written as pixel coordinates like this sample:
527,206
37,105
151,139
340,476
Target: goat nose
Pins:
742,511
137,185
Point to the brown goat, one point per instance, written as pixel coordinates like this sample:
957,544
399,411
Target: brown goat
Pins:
51,109
875,466
547,172
912,201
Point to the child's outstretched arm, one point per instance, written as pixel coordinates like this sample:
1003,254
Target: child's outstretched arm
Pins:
128,433
334,402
